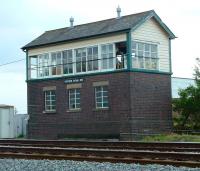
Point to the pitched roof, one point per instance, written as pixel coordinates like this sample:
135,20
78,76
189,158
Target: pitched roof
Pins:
112,25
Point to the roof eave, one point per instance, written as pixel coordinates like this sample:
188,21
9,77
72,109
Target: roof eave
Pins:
157,18
24,48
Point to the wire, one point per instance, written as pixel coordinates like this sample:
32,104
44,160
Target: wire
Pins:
12,62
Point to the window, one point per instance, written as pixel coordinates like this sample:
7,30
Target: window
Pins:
67,62
80,60
144,55
50,100
33,67
43,65
107,61
101,97
56,67
74,99
92,58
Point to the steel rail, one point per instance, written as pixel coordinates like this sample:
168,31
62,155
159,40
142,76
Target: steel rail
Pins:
131,156
157,146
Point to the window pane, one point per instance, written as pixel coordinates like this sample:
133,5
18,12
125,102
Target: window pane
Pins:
89,51
103,49
147,47
144,55
78,67
105,104
95,51
101,96
133,45
95,65
50,100
140,46
74,98
111,48
153,48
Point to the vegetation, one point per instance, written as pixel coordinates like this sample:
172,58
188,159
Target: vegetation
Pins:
20,136
172,138
188,105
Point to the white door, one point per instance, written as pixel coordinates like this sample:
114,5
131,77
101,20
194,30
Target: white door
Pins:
5,123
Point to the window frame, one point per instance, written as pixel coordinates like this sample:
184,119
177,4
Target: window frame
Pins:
56,65
75,98
101,97
72,63
51,100
107,59
143,61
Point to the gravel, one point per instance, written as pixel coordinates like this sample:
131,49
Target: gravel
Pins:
67,165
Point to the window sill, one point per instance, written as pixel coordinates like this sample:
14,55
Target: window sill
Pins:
49,112
74,110
101,109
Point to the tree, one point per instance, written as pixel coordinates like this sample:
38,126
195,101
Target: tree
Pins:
188,105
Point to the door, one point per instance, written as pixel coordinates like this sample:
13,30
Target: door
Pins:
5,123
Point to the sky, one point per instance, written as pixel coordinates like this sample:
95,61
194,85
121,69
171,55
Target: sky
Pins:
21,21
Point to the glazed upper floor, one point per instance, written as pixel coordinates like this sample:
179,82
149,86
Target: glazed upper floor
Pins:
146,48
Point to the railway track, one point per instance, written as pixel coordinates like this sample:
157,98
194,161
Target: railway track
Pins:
177,154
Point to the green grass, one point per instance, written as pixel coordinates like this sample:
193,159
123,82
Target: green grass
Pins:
172,138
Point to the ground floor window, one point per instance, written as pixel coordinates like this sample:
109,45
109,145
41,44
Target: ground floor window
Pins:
101,96
50,100
74,99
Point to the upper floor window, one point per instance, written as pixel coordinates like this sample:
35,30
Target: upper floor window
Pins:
56,67
80,59
92,58
107,56
144,55
43,65
67,62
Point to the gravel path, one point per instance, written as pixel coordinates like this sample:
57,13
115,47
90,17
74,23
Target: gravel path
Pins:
66,165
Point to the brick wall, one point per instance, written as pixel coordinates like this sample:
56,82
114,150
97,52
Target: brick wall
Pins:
138,103
150,98
88,121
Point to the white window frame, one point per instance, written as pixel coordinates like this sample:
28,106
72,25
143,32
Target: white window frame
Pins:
51,100
75,98
101,97
113,57
73,71
56,65
136,59
92,58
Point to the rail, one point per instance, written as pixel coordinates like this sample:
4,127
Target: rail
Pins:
177,154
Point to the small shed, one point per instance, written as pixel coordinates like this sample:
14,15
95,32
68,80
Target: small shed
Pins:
6,121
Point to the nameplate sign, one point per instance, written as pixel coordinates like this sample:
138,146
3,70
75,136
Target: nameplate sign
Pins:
74,80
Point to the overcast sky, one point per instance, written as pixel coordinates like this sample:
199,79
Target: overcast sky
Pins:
23,20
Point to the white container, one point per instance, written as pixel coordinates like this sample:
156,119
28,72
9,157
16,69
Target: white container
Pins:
6,121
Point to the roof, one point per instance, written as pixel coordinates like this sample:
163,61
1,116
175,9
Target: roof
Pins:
5,106
113,25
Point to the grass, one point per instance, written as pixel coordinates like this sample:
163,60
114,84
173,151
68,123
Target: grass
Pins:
172,138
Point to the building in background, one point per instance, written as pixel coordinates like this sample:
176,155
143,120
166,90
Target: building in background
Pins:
180,83
12,125
109,78
6,121
20,125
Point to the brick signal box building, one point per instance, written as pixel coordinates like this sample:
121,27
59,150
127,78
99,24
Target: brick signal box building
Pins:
109,78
